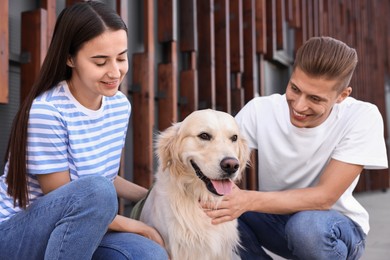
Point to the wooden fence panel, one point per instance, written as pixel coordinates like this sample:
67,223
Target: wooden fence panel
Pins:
316,26
167,89
249,75
222,55
122,10
143,102
301,27
188,47
165,22
276,33
4,52
261,27
279,24
71,2
206,54
271,29
236,55
167,71
189,87
50,7
261,41
375,52
309,18
236,42
296,14
322,18
34,43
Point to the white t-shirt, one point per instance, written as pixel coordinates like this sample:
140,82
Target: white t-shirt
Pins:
64,135
291,157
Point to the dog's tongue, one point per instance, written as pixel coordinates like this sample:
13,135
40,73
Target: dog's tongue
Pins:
223,187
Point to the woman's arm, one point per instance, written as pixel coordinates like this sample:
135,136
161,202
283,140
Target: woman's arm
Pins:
52,181
133,192
128,190
123,224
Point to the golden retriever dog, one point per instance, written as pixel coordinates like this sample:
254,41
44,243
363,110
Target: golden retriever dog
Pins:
199,159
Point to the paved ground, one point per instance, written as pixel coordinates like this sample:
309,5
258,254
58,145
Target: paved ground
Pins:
378,240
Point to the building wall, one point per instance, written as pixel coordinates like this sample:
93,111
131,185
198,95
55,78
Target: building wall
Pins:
189,55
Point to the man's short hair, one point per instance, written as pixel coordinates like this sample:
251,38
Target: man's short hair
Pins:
328,58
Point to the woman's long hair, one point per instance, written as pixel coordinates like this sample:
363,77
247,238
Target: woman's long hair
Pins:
75,25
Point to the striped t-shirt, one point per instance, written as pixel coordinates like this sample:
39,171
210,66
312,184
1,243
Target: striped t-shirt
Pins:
64,135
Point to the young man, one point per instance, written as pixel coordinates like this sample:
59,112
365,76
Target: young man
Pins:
313,142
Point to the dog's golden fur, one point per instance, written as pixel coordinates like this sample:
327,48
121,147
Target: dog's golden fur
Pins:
210,141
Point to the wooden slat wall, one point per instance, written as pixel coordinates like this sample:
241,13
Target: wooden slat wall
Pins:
71,2
206,53
261,41
261,27
249,35
50,7
122,9
37,30
236,55
223,46
4,51
222,55
249,75
34,43
167,71
143,113
188,100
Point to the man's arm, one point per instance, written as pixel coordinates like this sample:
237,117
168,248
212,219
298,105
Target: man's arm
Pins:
335,180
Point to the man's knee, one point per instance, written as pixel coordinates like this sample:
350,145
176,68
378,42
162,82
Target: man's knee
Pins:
308,226
313,235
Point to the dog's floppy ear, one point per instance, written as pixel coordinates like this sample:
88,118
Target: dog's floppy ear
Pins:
166,141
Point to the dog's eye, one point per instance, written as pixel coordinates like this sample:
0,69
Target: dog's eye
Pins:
234,138
205,136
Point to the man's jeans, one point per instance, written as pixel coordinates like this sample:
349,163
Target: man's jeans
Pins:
304,235
71,223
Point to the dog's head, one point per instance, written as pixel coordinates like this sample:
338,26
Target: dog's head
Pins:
206,148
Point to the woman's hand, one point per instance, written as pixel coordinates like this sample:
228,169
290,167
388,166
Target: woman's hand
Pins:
151,233
123,224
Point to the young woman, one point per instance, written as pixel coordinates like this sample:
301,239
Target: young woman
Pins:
58,194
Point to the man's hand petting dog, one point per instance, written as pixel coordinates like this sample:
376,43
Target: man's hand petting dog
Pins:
230,208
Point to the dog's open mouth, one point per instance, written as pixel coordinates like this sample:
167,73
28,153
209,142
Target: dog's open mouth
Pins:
218,187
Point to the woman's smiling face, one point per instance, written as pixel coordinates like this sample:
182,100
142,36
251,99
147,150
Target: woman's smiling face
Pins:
98,68
311,99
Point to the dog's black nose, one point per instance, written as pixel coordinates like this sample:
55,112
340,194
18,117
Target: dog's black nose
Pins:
229,165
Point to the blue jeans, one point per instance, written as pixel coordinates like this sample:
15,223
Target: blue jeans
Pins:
71,223
303,235
116,245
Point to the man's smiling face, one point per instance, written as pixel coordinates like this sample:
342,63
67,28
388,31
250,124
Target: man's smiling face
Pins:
311,99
